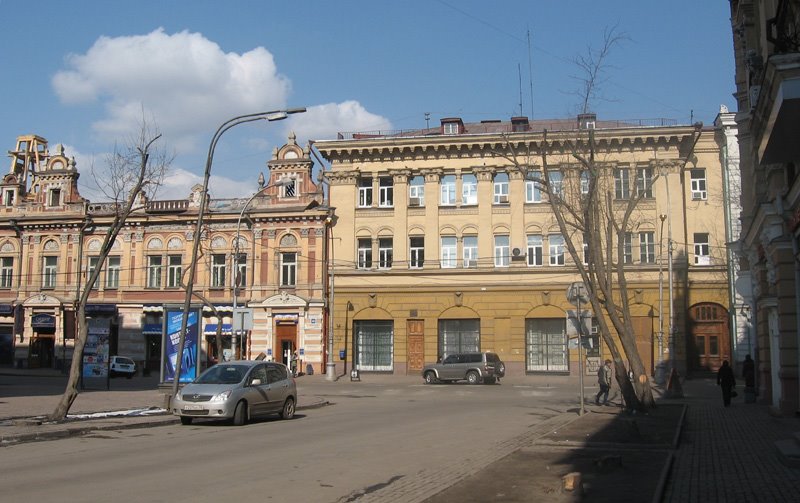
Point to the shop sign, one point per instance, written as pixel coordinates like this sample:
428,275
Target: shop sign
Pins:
43,320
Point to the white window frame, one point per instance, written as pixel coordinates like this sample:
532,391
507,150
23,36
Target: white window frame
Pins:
533,188
416,246
622,183
698,184
113,266
450,128
556,248
90,267
385,253
535,256
365,193
644,182
702,248
385,192
219,270
502,250
469,189
49,271
154,264
647,247
555,178
627,248
174,271
6,272
364,246
416,191
500,189
470,251
449,252
448,191
288,269
240,266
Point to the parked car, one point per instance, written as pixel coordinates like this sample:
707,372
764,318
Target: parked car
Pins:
474,368
121,366
239,390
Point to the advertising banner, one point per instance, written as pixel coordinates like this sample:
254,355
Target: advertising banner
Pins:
189,359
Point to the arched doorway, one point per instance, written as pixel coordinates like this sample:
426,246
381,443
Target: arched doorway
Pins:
709,343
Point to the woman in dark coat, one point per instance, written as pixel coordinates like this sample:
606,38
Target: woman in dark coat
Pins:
727,381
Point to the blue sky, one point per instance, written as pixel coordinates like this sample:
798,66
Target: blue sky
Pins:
81,73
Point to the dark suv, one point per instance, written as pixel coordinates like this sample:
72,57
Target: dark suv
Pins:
472,367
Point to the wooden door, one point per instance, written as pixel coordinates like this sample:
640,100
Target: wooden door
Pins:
643,328
416,345
709,344
285,343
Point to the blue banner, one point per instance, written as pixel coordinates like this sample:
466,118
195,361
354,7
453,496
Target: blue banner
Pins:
189,359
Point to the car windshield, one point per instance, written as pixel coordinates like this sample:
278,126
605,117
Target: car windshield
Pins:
124,361
223,374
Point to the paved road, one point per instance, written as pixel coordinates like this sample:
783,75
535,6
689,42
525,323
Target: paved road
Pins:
372,442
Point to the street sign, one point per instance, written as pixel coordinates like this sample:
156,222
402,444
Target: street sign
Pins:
242,319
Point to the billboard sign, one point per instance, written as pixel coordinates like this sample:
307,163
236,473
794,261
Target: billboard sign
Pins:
191,350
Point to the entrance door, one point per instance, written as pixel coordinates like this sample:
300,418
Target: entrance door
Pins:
416,346
41,352
709,341
285,342
643,328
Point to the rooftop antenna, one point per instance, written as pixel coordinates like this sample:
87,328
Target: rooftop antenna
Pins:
519,72
530,70
427,120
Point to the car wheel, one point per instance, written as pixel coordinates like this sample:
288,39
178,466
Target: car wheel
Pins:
240,414
288,409
430,377
186,420
501,369
489,380
473,377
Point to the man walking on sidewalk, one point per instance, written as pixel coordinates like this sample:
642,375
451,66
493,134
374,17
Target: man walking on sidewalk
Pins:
604,380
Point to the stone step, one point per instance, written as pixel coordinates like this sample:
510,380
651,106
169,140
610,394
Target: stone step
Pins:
789,450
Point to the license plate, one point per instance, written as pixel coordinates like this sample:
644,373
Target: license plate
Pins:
192,407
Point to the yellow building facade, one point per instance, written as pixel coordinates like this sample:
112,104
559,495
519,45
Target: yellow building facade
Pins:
441,245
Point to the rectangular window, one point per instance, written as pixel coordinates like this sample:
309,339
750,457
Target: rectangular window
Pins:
585,249
459,336
622,183
469,189
448,187
584,182
365,193
501,188
644,182
175,271
647,247
112,272
416,191
6,271
533,188
364,253
699,190
450,128
449,252
556,180
374,345
54,197
289,187
535,250
8,198
154,271
546,345
627,248
417,252
92,266
219,269
49,272
470,251
501,251
385,253
556,242
701,249
385,192
288,269
240,270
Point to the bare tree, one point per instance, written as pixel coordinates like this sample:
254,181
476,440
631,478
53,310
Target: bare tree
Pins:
132,172
592,68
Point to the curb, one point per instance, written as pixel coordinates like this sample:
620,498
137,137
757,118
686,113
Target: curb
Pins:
81,429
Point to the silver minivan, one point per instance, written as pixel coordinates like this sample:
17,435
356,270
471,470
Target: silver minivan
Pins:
238,390
474,368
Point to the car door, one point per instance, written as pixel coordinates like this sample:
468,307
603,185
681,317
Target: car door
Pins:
279,384
449,369
257,392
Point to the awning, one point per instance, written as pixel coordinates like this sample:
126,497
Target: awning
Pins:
211,329
152,309
100,309
223,309
151,329
6,309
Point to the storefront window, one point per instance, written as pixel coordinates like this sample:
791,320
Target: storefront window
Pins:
374,345
546,345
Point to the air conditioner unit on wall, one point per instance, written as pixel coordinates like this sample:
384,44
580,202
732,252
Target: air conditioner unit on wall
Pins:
502,199
471,263
414,201
516,254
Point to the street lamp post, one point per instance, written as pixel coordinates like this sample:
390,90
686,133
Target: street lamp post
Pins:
273,115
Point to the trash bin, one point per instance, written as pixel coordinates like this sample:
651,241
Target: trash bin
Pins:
342,354
310,369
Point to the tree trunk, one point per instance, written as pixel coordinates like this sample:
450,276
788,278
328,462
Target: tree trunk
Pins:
71,390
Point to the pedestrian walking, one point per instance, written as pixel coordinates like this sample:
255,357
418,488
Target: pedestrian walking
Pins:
293,364
749,372
726,381
604,380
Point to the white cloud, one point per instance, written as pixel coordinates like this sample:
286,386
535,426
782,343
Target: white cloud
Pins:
178,185
324,121
185,81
